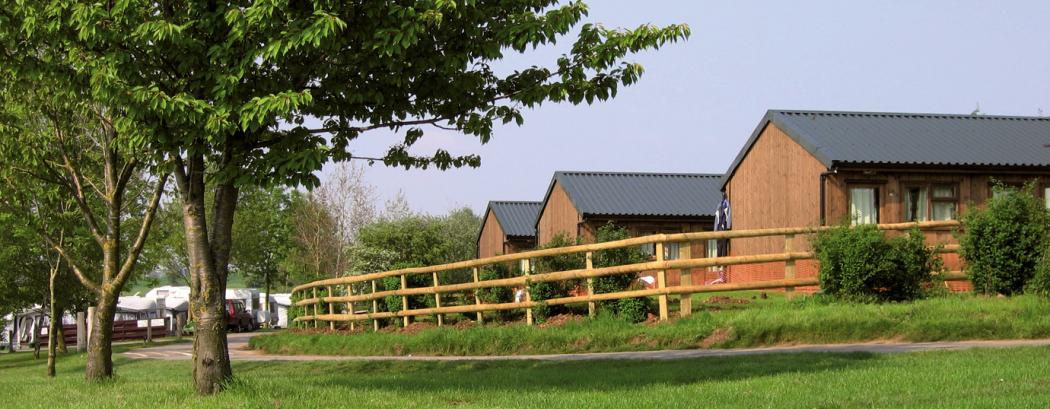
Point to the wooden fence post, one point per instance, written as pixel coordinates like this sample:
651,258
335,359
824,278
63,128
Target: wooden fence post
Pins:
477,299
331,309
350,305
316,306
685,279
404,298
437,299
591,305
375,308
661,281
527,266
789,265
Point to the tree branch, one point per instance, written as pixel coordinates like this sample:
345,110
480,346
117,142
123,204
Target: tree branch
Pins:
140,240
60,249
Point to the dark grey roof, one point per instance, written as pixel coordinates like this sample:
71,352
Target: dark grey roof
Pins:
836,137
640,194
516,218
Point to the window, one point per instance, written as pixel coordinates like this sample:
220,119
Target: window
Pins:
671,251
944,202
711,251
863,205
916,204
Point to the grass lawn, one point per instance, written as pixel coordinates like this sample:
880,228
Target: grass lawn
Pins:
770,321
1010,378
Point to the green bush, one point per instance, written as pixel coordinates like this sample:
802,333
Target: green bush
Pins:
393,302
860,264
1004,241
633,309
540,291
497,295
1040,282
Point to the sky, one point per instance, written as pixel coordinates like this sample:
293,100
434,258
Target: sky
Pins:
700,100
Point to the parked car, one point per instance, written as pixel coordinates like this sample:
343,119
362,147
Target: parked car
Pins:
239,317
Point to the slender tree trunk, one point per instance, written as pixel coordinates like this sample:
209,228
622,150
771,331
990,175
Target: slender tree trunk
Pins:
39,322
52,331
100,342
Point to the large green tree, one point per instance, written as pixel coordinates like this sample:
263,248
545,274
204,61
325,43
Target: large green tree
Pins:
250,92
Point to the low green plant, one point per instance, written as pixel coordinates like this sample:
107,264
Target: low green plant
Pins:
1004,241
861,264
393,302
539,291
1040,282
630,309
497,295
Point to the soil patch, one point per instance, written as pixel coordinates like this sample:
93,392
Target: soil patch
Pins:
560,320
718,337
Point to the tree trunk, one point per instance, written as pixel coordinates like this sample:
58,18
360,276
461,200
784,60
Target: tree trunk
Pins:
208,258
60,344
53,328
39,322
100,342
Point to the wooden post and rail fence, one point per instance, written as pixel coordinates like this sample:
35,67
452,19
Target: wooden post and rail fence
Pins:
355,287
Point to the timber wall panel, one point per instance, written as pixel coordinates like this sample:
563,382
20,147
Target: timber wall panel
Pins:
558,215
492,238
777,184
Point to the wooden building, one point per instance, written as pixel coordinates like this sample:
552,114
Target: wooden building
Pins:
578,203
507,227
809,168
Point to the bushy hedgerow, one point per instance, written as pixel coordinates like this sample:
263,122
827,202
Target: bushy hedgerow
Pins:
1040,282
861,264
1004,241
497,295
393,302
630,309
540,291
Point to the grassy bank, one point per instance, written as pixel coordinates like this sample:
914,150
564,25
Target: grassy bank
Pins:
775,321
964,379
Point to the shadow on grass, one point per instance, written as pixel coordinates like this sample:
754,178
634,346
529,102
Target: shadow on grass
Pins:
545,376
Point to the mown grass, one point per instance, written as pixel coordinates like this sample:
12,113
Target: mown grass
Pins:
775,321
1006,378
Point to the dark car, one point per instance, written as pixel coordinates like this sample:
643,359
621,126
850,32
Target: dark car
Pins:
239,318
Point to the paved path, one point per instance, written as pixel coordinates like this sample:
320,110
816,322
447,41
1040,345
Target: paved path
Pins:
239,352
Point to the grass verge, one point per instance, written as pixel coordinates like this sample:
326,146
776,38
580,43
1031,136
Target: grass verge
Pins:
960,379
805,320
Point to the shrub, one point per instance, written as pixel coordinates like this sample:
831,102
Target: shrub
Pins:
860,264
497,295
540,291
393,302
1004,241
635,309
1040,282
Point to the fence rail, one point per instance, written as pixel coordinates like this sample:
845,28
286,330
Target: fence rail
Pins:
363,288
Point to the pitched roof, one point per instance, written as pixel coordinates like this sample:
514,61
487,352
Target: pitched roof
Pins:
516,218
640,194
836,137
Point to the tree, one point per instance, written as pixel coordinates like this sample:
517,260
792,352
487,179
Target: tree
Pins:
262,229
327,219
58,152
267,92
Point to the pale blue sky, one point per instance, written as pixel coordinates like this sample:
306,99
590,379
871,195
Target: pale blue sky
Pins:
700,100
